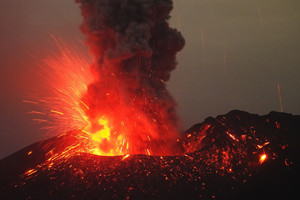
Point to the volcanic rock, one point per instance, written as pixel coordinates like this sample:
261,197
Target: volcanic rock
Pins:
233,156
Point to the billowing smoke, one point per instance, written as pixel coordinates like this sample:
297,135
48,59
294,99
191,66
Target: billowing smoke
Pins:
135,51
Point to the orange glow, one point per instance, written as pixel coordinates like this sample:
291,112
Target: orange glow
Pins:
261,146
262,158
103,142
30,172
102,134
232,136
63,108
57,103
125,157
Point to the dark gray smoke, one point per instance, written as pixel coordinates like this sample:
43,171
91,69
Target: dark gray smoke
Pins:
135,51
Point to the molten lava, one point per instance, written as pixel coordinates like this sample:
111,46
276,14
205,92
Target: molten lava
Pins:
238,155
134,56
103,142
262,158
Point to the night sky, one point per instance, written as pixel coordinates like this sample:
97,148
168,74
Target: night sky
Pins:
236,54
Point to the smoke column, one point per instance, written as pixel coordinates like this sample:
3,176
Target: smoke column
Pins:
135,51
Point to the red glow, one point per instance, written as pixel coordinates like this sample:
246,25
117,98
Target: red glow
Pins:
262,158
117,129
232,136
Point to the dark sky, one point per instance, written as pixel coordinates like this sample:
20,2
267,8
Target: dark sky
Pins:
235,55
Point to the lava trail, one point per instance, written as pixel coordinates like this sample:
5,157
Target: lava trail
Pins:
128,104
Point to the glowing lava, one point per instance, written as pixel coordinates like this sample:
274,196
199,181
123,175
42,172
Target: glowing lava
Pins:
262,158
134,58
223,156
63,109
103,142
124,107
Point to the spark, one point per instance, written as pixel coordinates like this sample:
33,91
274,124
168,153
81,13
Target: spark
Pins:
225,64
57,112
84,104
260,18
287,163
232,136
202,37
262,158
40,120
261,146
31,102
66,78
125,157
279,96
148,152
30,172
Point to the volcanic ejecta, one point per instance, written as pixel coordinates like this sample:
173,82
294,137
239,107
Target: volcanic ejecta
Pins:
135,51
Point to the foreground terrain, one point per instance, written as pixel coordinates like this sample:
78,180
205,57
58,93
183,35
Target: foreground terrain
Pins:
233,156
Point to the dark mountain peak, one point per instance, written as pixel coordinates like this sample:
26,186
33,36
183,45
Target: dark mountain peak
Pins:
233,156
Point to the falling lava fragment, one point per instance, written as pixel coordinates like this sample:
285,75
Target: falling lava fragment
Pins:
233,156
262,158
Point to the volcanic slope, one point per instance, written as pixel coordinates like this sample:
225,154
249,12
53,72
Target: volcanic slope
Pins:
233,156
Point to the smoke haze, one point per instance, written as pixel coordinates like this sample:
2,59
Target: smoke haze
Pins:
135,51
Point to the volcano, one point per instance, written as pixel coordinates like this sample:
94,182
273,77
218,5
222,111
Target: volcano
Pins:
233,156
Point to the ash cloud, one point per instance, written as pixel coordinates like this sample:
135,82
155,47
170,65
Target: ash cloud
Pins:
135,51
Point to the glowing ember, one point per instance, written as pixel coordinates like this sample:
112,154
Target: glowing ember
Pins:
104,142
30,172
210,158
58,104
125,157
279,96
232,136
262,158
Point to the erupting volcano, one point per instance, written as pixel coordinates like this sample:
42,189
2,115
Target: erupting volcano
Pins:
128,105
128,143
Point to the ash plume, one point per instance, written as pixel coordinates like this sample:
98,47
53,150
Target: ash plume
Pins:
135,51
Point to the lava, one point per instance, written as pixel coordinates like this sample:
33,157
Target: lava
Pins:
261,157
134,56
119,100
102,139
57,103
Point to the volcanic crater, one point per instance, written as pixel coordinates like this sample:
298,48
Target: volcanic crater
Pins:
233,156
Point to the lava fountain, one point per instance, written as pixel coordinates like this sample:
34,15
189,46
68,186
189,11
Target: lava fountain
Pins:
128,106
